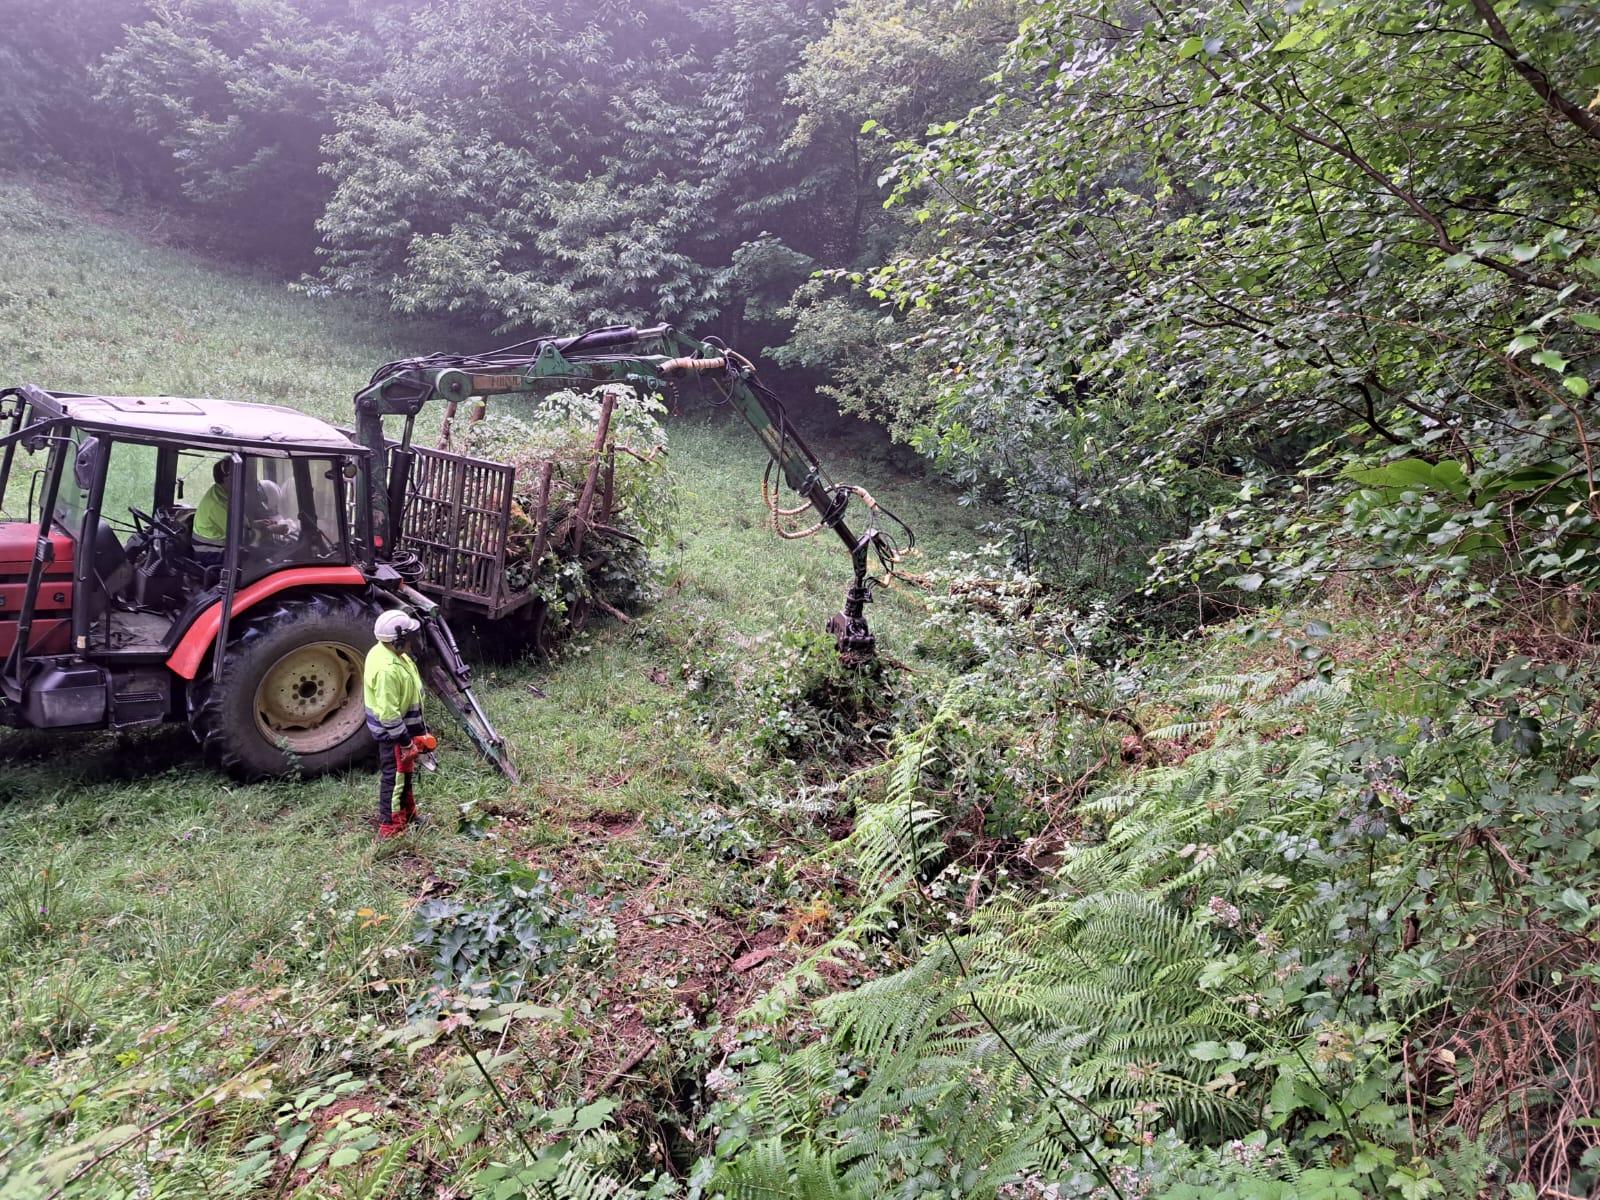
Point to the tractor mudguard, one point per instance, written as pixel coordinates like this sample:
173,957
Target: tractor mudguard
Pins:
197,640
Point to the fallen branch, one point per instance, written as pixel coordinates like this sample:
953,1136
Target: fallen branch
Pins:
628,1064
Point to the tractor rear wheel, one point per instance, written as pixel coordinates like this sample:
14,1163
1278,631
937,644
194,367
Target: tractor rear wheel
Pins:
290,696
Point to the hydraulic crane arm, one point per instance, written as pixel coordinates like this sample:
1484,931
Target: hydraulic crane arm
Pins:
641,358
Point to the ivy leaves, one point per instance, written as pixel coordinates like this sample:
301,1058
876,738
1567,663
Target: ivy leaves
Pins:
517,926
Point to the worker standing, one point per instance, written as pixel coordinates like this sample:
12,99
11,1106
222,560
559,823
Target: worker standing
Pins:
393,688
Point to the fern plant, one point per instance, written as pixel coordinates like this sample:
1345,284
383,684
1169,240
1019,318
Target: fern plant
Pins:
1246,965
1134,998
894,837
775,1170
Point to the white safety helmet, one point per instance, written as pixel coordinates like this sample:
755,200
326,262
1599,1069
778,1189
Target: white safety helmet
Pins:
394,624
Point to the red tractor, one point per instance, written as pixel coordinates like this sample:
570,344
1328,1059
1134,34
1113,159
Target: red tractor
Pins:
221,563
117,612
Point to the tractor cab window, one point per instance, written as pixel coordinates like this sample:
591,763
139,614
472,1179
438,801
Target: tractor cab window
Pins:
206,485
72,494
121,535
24,485
293,513
130,486
290,514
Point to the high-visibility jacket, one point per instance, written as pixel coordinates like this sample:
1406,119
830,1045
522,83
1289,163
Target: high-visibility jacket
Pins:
393,689
211,516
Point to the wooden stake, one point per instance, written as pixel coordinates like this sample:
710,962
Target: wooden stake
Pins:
580,518
541,515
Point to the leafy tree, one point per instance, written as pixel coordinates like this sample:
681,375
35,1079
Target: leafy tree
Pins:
619,181
882,66
888,65
46,107
240,94
1190,245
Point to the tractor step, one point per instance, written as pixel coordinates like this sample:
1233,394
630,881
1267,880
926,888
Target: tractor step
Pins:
140,697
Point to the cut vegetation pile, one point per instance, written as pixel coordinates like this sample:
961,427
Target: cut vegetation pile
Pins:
592,496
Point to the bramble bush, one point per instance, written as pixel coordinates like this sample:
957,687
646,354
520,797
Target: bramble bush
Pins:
509,926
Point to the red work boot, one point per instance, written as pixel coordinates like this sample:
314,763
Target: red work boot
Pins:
394,826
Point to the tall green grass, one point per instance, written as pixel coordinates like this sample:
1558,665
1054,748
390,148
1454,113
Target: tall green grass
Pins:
88,306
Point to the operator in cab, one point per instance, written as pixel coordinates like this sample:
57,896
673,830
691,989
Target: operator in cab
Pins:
393,692
210,530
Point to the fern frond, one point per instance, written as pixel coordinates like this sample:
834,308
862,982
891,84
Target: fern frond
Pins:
374,1183
774,1170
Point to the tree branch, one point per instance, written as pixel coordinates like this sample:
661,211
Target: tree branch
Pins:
1537,79
1423,213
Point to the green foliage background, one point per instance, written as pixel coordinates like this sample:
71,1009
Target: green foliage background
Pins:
511,165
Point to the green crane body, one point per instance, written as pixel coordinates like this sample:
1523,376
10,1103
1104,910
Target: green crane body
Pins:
649,359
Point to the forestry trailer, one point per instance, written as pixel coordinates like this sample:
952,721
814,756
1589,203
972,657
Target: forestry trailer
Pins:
122,607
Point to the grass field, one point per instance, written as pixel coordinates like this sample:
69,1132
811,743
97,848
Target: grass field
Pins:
181,956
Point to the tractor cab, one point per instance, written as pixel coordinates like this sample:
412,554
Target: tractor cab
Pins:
135,529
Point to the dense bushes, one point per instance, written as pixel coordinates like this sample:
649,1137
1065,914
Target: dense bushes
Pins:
239,97
1311,918
1318,924
1190,246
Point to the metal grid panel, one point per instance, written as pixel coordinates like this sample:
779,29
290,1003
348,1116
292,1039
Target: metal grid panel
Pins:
457,520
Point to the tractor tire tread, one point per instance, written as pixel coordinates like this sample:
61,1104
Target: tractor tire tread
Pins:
225,741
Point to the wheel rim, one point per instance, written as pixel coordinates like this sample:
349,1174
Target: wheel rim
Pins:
310,699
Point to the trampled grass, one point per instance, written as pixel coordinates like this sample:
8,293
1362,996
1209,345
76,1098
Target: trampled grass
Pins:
142,895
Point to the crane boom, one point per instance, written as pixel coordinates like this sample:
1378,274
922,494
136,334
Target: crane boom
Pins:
649,359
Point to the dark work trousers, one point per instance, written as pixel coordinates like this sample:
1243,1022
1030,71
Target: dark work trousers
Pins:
387,770
387,767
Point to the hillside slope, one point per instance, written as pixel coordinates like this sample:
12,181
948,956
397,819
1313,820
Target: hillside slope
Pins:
1298,906
142,890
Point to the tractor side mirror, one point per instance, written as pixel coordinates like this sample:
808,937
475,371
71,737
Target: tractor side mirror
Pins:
86,465
37,432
